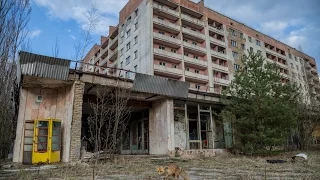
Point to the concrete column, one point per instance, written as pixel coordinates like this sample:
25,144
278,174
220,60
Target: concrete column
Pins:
161,127
18,143
75,139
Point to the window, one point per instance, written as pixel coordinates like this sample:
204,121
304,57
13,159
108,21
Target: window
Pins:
196,57
194,43
233,32
291,65
290,56
258,43
250,40
136,12
135,68
162,64
241,35
162,47
121,51
128,33
234,54
193,29
186,54
251,49
121,64
297,67
129,20
136,26
128,75
197,86
243,47
236,67
173,36
174,66
136,40
161,32
233,43
196,71
173,50
136,54
127,60
128,46
295,58
185,40
187,69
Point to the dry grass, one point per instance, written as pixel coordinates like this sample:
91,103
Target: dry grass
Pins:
221,167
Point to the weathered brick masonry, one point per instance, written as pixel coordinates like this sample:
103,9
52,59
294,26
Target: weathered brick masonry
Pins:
75,143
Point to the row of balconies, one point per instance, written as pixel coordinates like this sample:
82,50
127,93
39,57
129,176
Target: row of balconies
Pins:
188,74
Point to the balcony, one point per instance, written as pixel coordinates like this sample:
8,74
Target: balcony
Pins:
166,24
195,62
196,76
163,54
103,62
282,56
166,38
113,43
271,52
113,55
220,68
167,71
286,76
218,54
221,81
216,30
217,41
166,10
193,33
104,53
196,48
283,65
192,20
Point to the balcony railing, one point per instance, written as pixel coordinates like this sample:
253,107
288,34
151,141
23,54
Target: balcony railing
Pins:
192,20
166,9
193,46
216,30
219,54
166,38
166,24
196,76
217,41
113,55
220,68
166,53
195,61
169,70
221,81
111,43
193,33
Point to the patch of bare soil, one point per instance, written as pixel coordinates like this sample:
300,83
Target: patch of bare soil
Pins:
220,167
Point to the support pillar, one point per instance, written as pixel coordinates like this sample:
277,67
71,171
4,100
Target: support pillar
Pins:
161,127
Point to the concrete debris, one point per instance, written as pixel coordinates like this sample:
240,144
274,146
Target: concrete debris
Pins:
44,167
7,166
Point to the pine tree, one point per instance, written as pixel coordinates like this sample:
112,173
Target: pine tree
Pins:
263,105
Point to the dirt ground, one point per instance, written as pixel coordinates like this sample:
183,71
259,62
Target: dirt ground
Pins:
220,167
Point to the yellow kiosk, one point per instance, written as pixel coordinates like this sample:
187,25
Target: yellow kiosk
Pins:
42,141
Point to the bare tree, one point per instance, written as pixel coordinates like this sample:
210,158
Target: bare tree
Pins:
56,48
83,44
14,16
109,119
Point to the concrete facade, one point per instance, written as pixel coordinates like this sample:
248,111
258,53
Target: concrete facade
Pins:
187,41
57,103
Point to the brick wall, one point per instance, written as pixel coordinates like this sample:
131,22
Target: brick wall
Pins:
75,142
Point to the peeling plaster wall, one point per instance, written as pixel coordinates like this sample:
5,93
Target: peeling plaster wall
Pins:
180,136
57,103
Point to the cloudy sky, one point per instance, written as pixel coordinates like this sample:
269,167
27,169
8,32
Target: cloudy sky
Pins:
295,22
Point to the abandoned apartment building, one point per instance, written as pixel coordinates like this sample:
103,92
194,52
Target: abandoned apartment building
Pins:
165,114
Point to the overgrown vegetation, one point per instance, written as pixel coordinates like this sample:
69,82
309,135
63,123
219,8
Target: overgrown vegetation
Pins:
14,16
110,117
264,107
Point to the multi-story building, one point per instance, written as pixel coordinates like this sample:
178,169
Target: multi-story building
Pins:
187,41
